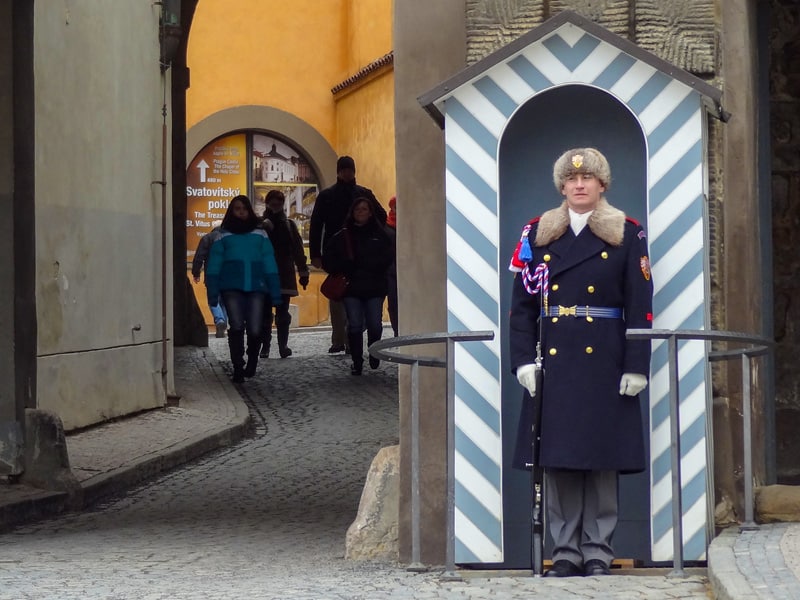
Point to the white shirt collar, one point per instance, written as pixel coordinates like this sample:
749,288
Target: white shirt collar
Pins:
577,221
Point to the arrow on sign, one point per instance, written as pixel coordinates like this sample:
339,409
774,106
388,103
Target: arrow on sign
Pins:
202,165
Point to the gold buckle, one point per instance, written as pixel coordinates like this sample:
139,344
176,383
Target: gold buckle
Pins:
567,311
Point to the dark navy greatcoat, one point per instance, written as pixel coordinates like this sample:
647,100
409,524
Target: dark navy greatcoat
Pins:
586,423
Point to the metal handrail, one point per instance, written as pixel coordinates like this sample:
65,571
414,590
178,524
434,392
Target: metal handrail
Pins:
759,346
380,350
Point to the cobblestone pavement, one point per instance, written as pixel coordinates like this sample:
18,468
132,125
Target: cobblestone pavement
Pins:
267,518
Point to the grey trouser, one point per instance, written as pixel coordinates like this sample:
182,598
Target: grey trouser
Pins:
581,514
338,323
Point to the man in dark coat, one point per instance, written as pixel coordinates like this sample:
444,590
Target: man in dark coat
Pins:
584,278
327,218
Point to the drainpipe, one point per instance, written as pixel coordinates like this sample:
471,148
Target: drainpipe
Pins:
163,183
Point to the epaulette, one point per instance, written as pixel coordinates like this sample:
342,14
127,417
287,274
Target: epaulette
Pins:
522,253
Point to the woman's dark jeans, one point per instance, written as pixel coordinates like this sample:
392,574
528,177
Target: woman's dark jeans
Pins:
245,311
361,312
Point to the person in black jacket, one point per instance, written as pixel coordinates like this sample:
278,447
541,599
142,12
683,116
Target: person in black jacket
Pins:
330,210
289,254
363,251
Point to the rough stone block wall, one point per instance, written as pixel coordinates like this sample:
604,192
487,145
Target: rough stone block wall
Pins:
491,24
614,15
681,32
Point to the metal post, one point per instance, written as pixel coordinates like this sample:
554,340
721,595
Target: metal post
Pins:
416,562
380,349
675,455
450,555
747,427
759,346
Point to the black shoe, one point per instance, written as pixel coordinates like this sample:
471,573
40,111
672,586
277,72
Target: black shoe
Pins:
356,369
285,352
374,363
336,348
250,368
238,376
563,568
264,352
594,567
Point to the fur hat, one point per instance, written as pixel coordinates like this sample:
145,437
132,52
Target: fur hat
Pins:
581,160
345,162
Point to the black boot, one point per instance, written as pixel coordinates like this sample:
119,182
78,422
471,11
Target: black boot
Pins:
253,346
356,343
236,346
267,334
374,362
282,322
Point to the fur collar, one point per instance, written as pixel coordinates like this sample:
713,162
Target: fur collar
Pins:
606,222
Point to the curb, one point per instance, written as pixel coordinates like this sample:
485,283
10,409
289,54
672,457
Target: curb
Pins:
165,459
35,504
124,478
727,582
40,505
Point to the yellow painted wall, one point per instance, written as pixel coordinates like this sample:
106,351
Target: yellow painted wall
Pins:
365,120
267,52
369,28
289,57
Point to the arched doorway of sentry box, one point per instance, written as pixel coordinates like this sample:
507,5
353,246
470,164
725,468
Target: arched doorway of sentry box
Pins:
563,117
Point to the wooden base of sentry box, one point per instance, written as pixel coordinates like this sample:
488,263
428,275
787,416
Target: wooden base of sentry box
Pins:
617,563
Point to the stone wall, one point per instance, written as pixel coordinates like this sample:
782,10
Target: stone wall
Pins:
785,133
681,32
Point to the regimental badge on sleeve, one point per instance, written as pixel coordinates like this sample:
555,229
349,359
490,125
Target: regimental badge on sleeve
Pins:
644,264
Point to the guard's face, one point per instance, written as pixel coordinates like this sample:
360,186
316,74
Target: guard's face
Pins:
582,191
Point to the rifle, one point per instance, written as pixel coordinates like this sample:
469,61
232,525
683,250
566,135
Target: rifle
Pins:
537,472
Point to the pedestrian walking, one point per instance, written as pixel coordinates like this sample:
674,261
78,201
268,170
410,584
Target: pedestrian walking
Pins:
199,262
290,256
583,279
330,210
242,270
362,250
391,273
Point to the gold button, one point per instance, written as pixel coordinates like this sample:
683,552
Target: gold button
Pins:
555,287
589,349
555,319
604,254
589,319
590,289
553,351
546,258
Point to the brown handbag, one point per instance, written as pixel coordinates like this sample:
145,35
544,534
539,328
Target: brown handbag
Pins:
334,287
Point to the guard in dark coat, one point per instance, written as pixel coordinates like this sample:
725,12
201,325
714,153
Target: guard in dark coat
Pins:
583,279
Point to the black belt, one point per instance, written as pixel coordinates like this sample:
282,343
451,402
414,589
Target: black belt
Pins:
597,312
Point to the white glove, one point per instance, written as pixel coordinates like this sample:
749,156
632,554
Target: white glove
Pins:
631,384
526,375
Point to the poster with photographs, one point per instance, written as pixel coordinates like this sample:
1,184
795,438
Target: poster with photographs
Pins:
278,166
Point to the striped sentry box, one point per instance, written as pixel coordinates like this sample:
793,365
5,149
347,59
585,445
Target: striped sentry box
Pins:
476,106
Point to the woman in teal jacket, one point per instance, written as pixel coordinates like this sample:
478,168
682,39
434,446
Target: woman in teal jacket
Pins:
242,269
